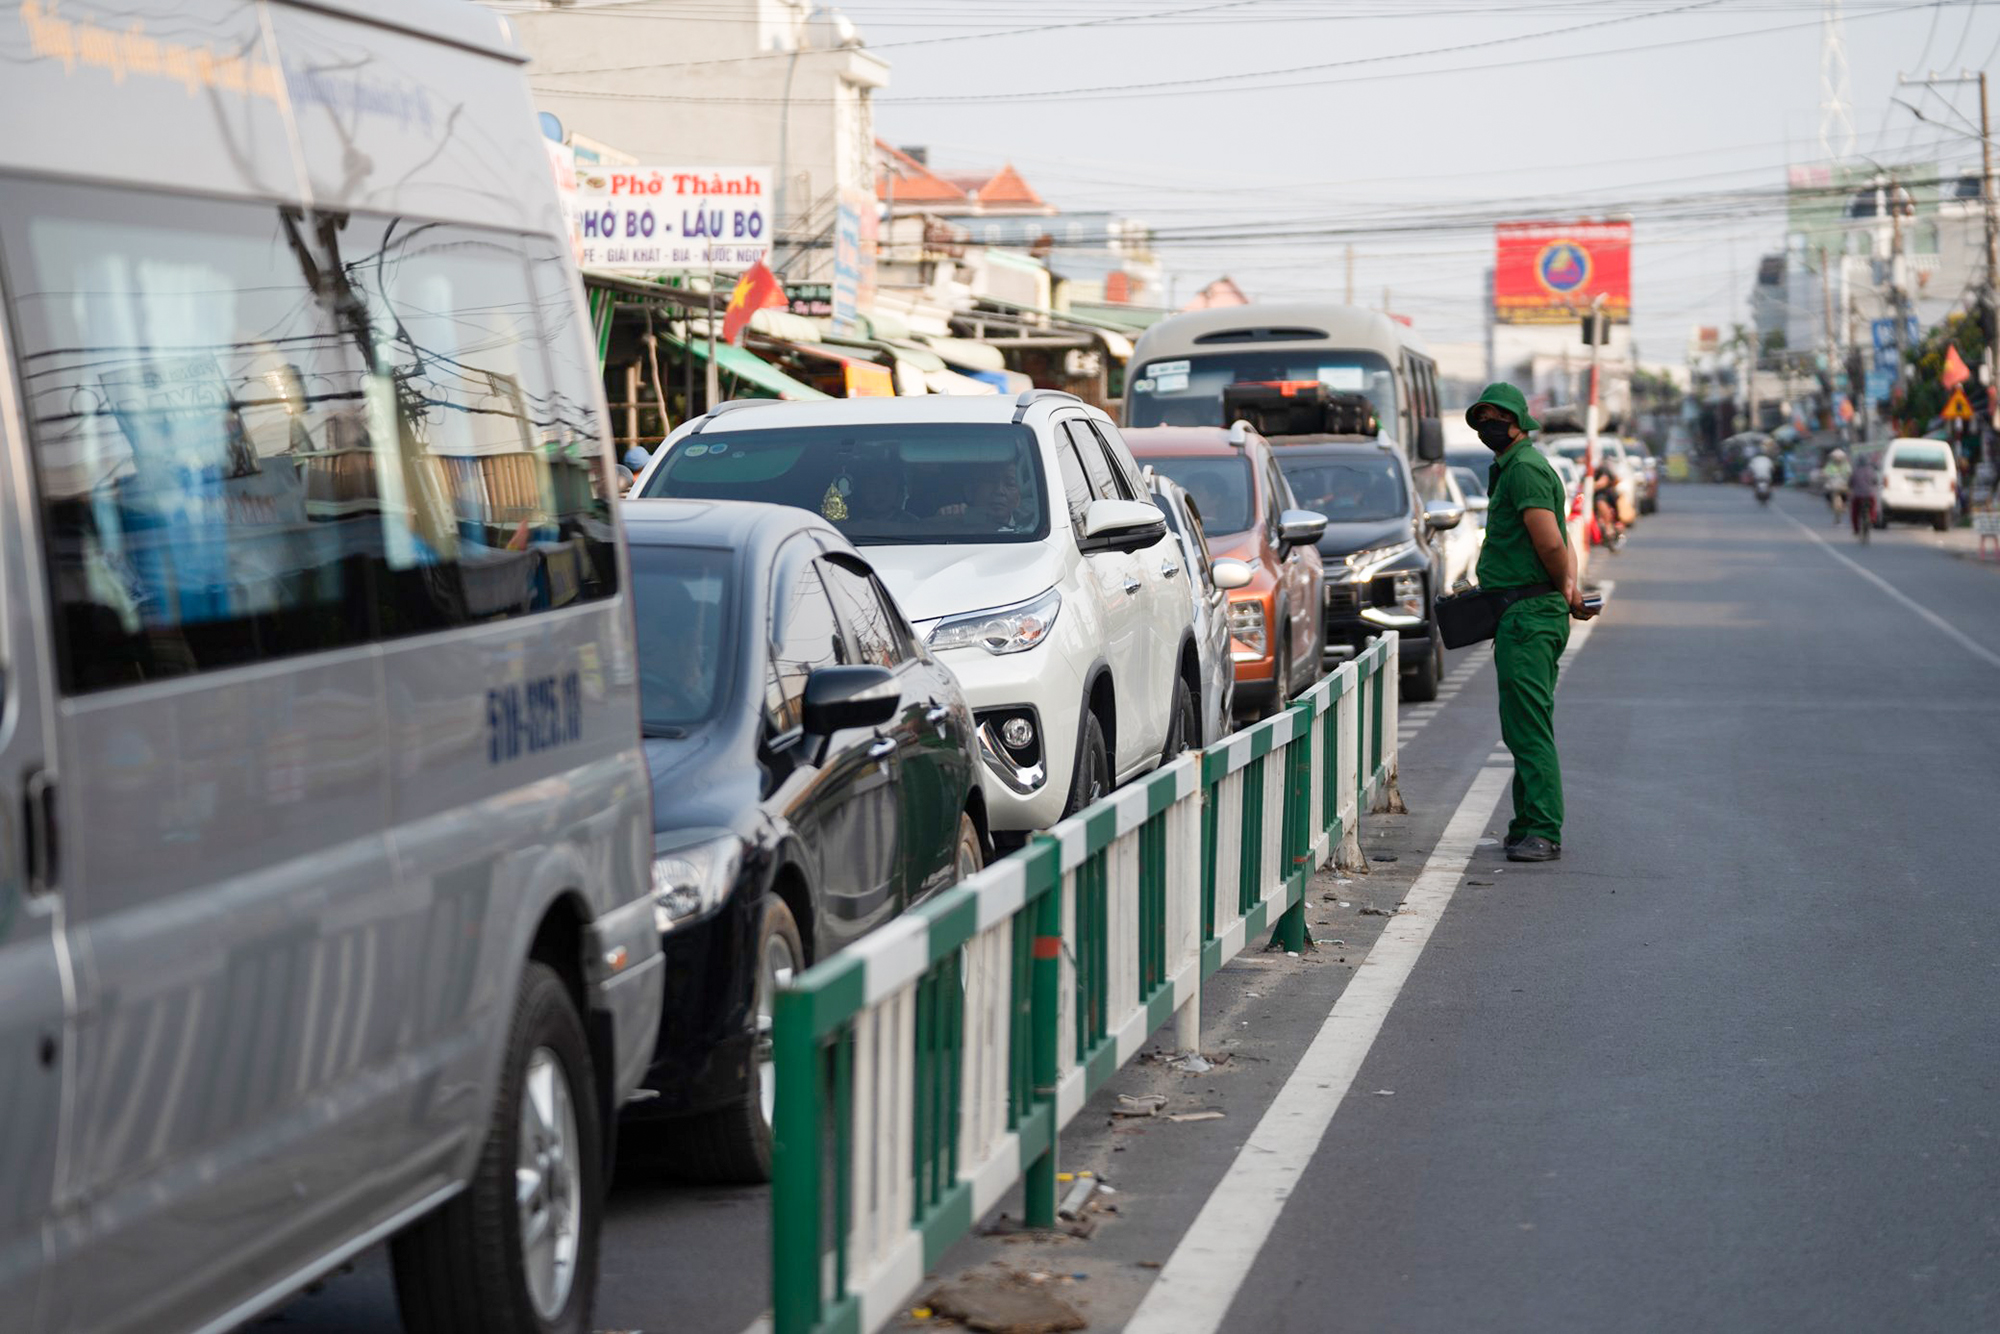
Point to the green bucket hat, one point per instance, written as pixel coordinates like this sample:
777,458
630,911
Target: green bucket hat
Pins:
1508,399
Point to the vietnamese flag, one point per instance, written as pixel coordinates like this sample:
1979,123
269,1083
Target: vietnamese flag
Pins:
1955,373
758,289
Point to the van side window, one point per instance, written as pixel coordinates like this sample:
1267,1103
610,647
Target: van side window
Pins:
1124,472
488,501
804,637
256,440
207,497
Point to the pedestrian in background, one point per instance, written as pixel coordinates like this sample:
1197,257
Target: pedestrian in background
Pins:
1527,555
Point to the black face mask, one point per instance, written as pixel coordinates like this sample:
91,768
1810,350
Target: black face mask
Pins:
1494,435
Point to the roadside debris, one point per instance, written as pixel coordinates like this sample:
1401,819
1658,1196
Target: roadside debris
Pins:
1192,1063
1005,1302
1197,1116
1372,911
1073,1204
1385,1093
1145,1105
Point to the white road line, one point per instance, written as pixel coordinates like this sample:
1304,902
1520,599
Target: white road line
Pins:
1207,1268
1973,646
1193,1293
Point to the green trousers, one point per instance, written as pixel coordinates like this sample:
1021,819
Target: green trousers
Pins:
1526,649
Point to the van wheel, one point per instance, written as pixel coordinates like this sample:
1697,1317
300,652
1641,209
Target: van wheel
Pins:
732,1143
1092,779
516,1251
1941,521
1423,684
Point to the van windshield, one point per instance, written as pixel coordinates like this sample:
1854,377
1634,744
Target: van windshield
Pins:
1187,391
1920,458
680,603
881,484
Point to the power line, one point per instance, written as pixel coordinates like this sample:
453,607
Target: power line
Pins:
1177,88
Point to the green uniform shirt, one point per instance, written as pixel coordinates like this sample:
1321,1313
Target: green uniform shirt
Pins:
1520,479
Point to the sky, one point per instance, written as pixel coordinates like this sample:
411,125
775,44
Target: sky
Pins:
1406,127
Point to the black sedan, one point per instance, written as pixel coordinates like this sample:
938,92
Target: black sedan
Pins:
1383,556
812,778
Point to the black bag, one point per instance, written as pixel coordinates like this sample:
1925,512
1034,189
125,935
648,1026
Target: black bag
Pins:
1469,617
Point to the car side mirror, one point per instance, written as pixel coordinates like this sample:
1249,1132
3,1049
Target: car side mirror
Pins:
1301,528
1121,525
1430,439
1229,573
840,698
1440,515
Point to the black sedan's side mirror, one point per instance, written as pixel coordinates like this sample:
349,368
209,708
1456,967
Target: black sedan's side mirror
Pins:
840,698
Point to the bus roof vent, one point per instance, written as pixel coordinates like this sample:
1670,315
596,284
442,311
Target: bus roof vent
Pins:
1281,334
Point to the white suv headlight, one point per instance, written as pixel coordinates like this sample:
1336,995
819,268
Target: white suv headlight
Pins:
692,881
1003,629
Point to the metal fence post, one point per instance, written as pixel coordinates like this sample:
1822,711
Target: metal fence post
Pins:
1296,844
1040,1187
795,1167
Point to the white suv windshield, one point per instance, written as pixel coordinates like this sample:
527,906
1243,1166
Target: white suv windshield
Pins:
906,485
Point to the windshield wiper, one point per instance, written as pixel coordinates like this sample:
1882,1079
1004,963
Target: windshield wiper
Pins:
663,732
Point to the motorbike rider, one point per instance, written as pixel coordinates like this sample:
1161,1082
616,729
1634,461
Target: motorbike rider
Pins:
1604,487
1761,469
1834,477
1863,486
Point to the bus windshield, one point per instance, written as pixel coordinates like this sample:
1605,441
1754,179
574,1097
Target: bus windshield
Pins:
1187,391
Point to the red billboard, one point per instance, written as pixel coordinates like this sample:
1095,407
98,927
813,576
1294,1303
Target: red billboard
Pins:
1548,272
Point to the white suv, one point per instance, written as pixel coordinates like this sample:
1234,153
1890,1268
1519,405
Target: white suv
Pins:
1018,536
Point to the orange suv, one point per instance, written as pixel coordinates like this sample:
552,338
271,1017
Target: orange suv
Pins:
1247,512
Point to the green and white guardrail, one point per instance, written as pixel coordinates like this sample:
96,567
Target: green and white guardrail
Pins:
926,1068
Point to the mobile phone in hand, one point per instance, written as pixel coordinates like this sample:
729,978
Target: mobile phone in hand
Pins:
1593,602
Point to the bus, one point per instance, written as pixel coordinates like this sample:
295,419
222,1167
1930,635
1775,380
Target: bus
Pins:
1316,379
1182,366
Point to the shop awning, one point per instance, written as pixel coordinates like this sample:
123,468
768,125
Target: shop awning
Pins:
968,354
749,368
951,382
862,377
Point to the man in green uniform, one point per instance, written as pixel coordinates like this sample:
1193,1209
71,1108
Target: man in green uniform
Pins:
1527,548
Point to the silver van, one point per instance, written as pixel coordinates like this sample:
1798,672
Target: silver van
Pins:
324,828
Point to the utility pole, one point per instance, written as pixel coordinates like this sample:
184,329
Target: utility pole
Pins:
1599,330
1990,202
1835,367
1992,262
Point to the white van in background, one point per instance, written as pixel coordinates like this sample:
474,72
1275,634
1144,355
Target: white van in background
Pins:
1919,481
324,824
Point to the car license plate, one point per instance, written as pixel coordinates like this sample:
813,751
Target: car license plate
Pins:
1920,481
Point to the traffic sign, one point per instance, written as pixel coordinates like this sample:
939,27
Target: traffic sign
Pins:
1885,359
1958,409
1880,382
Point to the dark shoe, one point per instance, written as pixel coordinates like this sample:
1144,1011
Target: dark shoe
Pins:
1512,841
1534,848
